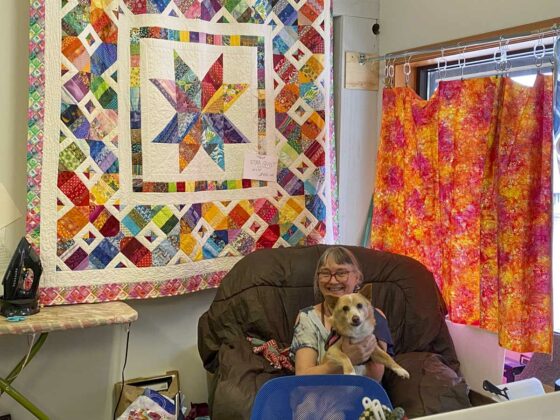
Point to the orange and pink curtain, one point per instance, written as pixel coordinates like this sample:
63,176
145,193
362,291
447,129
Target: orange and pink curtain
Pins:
464,186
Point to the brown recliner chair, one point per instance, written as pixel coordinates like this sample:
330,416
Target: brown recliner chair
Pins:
261,296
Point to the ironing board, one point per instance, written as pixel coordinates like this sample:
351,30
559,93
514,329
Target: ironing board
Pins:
57,318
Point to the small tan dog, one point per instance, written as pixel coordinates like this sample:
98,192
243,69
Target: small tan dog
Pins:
353,317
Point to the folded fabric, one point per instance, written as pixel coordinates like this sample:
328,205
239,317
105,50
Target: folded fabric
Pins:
164,402
278,359
198,411
144,408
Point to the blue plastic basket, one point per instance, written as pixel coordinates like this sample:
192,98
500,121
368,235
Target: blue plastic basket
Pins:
316,397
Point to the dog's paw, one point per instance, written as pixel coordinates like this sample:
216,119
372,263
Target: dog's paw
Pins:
402,373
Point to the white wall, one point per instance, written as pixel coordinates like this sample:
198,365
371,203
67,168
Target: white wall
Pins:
13,107
356,125
412,23
480,355
357,8
72,377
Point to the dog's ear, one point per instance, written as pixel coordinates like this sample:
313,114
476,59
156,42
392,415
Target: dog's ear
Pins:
331,301
366,291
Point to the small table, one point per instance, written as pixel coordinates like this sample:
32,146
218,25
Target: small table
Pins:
57,318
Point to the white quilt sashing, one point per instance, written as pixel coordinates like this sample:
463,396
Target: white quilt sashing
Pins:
141,115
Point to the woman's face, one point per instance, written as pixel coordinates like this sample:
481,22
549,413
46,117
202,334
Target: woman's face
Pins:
337,279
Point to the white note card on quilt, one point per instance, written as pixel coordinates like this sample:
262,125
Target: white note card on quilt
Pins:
260,167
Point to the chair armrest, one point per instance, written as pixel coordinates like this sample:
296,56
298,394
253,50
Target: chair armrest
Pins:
433,387
239,375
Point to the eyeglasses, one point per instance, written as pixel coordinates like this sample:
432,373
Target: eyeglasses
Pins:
340,275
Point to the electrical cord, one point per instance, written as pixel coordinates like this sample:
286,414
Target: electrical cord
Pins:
30,345
16,372
122,374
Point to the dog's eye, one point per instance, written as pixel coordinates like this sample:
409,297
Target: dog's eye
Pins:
345,308
359,306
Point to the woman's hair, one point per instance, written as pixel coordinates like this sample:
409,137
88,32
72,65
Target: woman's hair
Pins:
339,255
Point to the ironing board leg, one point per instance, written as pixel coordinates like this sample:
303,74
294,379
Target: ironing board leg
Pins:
16,395
24,402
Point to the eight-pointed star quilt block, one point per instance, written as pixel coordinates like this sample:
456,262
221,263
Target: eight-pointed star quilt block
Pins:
198,103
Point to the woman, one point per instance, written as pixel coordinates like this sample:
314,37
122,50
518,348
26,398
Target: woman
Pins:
338,273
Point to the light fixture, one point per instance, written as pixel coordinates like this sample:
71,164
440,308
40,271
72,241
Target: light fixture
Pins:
9,213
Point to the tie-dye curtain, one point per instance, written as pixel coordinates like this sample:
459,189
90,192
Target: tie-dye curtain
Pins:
464,186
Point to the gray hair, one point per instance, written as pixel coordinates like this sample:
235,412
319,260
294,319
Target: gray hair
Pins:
338,255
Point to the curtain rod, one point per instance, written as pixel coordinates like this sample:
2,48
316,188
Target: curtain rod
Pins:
553,30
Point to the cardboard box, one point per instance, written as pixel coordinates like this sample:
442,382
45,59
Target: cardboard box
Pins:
167,385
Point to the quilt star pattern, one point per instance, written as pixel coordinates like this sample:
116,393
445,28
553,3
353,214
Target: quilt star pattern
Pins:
201,106
139,123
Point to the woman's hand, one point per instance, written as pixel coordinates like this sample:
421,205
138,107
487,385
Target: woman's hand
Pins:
359,351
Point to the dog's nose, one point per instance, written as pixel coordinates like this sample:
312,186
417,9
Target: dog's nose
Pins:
356,320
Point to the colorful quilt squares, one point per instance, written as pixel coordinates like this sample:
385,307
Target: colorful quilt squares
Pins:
139,124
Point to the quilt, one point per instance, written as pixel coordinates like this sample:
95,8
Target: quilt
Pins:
142,117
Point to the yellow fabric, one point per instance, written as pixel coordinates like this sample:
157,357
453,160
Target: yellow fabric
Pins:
464,186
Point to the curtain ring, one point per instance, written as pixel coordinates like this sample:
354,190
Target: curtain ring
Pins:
539,51
386,72
507,63
392,73
502,64
462,62
407,70
441,65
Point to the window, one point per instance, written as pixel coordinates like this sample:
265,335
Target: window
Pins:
523,70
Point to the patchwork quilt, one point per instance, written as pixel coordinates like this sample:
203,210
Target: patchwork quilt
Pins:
142,114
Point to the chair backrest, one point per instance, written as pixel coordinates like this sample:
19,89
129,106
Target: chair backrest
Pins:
316,397
263,293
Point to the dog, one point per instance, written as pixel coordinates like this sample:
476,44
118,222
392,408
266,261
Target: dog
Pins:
353,317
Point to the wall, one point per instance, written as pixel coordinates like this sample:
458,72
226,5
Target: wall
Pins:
72,377
479,362
357,8
356,127
411,23
13,107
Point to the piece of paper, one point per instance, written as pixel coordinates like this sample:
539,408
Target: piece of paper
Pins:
361,71
261,167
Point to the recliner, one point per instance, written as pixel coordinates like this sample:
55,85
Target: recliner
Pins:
261,296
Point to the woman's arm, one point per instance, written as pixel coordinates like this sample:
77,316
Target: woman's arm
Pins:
306,363
304,347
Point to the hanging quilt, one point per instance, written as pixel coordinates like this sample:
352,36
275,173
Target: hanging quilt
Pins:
142,116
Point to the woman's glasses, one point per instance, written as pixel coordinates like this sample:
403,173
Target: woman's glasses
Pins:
339,275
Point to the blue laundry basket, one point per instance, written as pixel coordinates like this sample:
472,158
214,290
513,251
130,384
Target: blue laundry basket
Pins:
316,397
